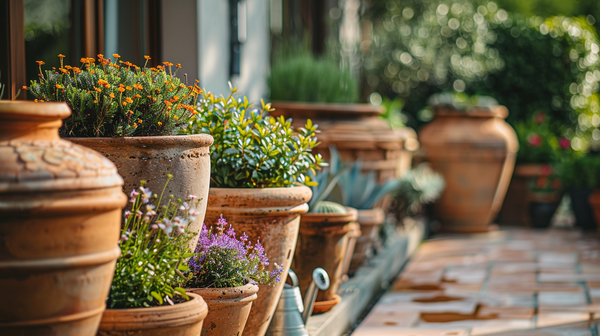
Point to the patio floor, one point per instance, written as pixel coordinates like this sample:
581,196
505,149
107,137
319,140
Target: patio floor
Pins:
494,283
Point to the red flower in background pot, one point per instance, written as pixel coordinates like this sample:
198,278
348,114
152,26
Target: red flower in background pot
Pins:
535,140
564,143
539,117
546,170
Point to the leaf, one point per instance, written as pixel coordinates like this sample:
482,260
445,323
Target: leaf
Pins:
157,297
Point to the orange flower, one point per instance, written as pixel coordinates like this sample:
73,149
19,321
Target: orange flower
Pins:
167,63
121,89
135,125
58,86
40,62
116,55
98,89
102,81
175,117
95,102
140,121
137,86
100,56
112,95
146,57
137,96
68,67
178,65
41,100
128,88
61,56
175,98
130,112
24,87
159,123
84,60
124,103
129,100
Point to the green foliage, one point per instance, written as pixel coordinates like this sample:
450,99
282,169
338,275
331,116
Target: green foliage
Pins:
328,207
252,149
538,142
154,244
326,181
112,100
529,65
419,186
303,78
579,171
361,191
392,112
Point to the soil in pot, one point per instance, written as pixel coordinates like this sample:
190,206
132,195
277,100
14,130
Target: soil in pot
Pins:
60,210
271,216
228,309
181,319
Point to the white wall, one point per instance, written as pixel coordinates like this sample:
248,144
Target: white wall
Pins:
213,48
180,36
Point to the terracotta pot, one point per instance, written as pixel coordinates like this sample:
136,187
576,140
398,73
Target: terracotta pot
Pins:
228,309
515,210
370,221
323,242
475,152
410,147
151,158
60,210
595,204
355,129
181,319
271,215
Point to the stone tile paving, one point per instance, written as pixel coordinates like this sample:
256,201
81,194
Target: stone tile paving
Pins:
512,282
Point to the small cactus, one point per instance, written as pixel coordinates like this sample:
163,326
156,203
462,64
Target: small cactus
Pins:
329,207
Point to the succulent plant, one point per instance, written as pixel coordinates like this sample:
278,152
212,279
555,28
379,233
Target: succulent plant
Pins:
327,181
419,186
328,207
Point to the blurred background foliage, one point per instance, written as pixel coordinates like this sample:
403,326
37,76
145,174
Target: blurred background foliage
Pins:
513,51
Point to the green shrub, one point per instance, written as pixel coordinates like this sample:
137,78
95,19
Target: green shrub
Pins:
303,78
252,149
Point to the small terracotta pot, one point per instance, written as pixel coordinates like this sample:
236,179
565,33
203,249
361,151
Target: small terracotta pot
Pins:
323,242
356,130
187,157
595,203
271,215
370,221
228,309
60,218
475,151
181,319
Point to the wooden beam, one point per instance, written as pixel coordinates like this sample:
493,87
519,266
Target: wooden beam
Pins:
12,47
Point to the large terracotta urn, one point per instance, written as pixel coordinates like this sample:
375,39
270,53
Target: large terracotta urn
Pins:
356,130
271,215
186,157
475,151
181,319
228,308
60,220
323,242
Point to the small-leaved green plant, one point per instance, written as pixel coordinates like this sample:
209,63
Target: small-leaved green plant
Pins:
154,246
116,99
252,149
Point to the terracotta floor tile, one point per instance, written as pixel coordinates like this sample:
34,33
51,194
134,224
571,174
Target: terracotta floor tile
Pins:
459,307
557,258
516,279
567,277
496,326
508,268
506,312
402,320
545,319
393,331
561,299
590,268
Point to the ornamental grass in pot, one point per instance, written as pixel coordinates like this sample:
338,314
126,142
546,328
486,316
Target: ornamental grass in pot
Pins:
226,272
146,296
132,115
258,166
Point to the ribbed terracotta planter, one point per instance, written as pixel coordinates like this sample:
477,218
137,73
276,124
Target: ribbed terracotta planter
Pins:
187,157
271,215
228,309
323,242
370,221
354,129
60,218
475,151
181,319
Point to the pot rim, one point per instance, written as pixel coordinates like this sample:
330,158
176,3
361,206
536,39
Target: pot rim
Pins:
121,319
240,294
166,141
229,199
28,110
312,217
351,110
447,110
